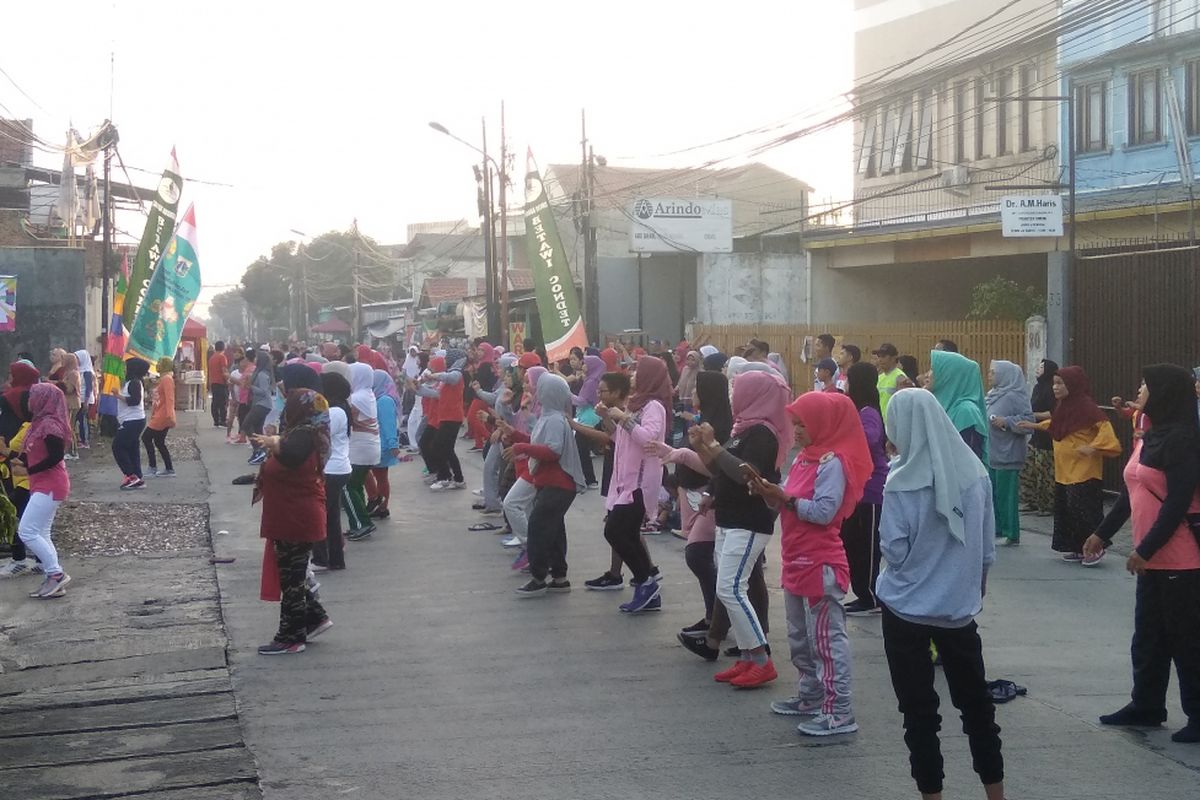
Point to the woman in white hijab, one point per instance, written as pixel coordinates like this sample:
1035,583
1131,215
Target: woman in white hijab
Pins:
411,367
364,442
89,395
936,534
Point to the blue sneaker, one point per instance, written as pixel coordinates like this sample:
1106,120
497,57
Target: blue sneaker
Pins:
643,595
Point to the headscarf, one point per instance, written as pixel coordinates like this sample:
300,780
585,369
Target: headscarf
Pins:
338,368
776,361
713,391
653,383
589,392
529,361
316,366
740,366
1077,411
932,454
610,358
687,376
85,361
1174,431
834,426
411,367
553,428
456,360
384,386
138,368
533,376
1008,397
21,376
681,353
714,362
264,364
300,376
362,391
308,410
507,361
958,386
165,364
862,386
708,350
1043,391
761,398
56,357
337,391
373,358
48,413
487,353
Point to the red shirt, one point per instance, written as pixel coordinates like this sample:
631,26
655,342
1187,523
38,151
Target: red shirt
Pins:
450,403
218,369
293,501
549,471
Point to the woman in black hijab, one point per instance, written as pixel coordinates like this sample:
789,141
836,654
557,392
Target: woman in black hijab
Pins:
1161,479
1037,478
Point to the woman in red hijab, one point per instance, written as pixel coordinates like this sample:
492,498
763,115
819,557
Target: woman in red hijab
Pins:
611,359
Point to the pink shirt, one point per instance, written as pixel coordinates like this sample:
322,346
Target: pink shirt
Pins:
633,469
54,481
1181,551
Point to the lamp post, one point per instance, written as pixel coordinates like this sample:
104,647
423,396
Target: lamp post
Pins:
502,173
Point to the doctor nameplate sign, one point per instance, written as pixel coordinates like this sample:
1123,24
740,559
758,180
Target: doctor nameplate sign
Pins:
1032,215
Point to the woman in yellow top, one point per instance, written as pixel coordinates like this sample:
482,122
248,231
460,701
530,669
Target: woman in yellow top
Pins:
1083,438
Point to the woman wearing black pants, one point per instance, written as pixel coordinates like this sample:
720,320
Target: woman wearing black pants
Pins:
450,414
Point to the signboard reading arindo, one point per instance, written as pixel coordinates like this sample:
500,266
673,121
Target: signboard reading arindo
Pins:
1031,215
681,225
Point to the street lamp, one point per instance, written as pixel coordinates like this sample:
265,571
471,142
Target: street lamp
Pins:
502,172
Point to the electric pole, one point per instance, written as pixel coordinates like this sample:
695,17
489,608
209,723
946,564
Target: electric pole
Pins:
504,335
106,254
487,211
591,290
356,310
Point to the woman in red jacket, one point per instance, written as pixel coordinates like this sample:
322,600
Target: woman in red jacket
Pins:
291,486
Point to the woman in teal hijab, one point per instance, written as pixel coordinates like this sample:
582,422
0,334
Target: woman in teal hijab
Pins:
957,384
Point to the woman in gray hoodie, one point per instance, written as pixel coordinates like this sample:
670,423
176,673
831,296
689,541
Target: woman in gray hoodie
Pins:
1007,405
262,393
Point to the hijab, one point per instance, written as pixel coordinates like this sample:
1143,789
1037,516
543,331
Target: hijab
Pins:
776,361
507,361
362,391
137,368
529,361
487,353
958,387
653,383
48,413
456,360
165,364
337,391
610,358
1174,431
833,426
1008,397
761,398
21,376
315,366
1043,391
308,410
682,350
1077,411
862,386
300,376
708,350
687,376
264,365
411,367
932,454
85,361
338,368
371,358
383,386
533,377
713,390
553,428
589,392
714,362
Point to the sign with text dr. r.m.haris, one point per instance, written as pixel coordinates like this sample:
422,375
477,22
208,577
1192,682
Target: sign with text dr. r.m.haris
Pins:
680,225
1031,215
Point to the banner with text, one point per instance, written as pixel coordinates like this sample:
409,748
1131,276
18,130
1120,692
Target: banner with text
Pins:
680,225
174,287
159,227
553,283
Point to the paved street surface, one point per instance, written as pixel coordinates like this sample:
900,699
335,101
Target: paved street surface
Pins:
436,682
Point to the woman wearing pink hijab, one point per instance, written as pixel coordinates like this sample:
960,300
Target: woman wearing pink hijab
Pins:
761,439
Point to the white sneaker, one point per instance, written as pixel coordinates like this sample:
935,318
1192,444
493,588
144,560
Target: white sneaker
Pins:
440,486
457,485
1091,561
511,541
477,492
828,725
795,707
14,568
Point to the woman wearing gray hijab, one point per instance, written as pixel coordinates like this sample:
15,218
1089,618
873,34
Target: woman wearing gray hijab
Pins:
262,396
1007,405
557,474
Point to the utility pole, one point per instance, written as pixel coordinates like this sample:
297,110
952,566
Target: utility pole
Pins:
489,245
106,254
504,334
591,291
356,310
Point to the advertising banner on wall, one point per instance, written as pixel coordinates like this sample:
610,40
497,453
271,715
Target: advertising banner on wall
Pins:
680,225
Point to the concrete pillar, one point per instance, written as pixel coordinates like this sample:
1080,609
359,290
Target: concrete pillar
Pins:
1035,345
1058,307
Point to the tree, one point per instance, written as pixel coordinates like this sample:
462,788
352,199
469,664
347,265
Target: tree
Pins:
229,308
1001,298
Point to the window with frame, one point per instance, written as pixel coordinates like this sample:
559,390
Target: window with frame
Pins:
1145,107
1003,85
1191,88
1091,115
1026,80
960,122
980,118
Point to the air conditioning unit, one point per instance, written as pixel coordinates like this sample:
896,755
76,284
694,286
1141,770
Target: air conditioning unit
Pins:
956,179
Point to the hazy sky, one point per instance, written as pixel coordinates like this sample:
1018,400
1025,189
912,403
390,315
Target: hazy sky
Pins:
317,112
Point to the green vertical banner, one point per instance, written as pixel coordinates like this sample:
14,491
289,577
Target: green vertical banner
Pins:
553,282
159,227
173,290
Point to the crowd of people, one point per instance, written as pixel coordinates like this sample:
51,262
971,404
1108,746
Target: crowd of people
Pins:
883,482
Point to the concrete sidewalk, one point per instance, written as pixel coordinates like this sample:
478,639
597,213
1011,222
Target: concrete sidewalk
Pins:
121,688
437,682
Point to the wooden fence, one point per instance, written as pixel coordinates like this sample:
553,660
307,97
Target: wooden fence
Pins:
979,340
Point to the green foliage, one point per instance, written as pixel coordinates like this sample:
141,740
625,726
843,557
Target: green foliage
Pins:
228,307
1001,298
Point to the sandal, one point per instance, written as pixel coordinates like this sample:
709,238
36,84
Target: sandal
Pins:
485,526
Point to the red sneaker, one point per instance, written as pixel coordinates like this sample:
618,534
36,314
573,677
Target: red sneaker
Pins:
728,675
755,676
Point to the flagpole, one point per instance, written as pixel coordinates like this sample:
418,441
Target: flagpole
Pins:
106,254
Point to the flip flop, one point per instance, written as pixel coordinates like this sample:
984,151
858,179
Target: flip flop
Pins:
485,526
